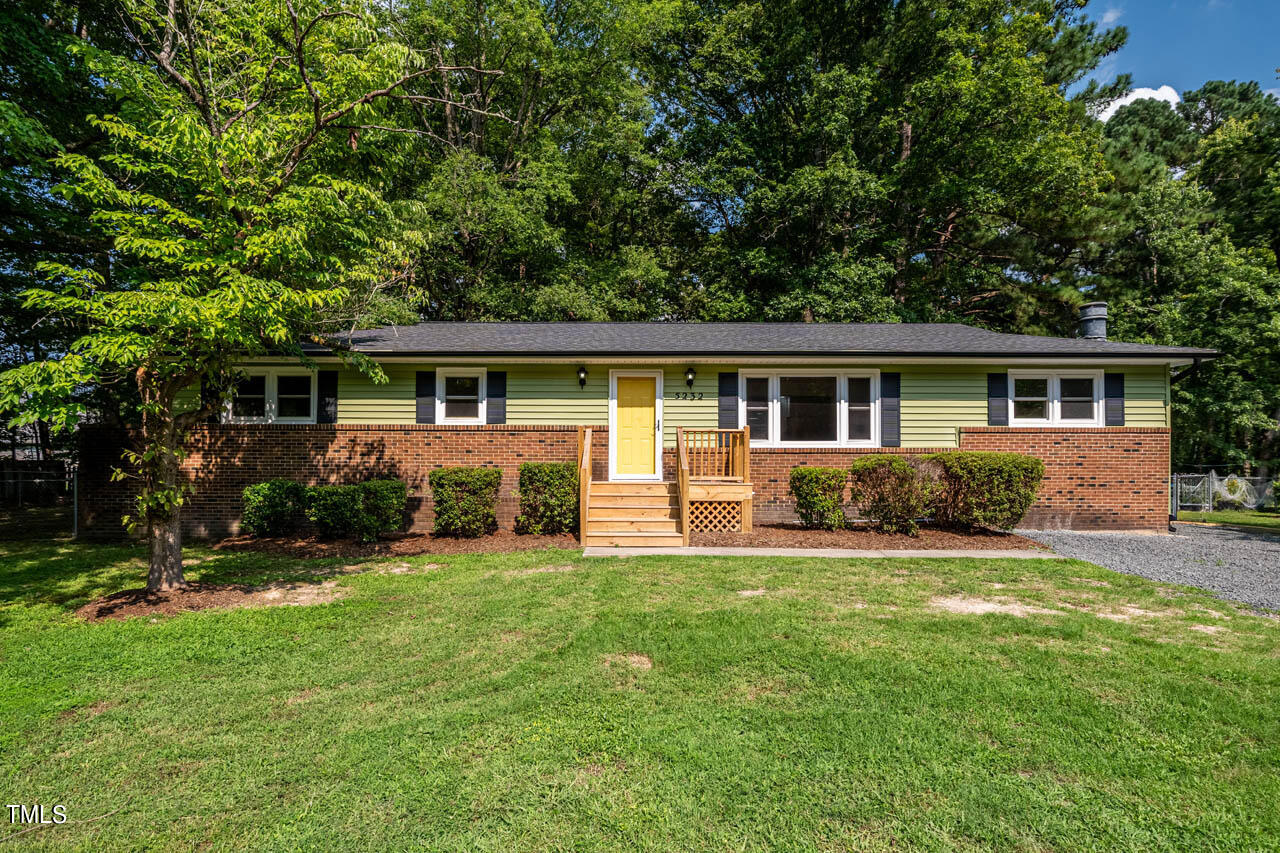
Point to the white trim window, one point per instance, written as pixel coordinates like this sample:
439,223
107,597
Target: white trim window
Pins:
810,408
270,395
1055,398
461,395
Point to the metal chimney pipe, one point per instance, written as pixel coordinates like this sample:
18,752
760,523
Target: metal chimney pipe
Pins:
1093,321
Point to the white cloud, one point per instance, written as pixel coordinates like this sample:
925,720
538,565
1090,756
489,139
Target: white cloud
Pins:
1165,93
1110,16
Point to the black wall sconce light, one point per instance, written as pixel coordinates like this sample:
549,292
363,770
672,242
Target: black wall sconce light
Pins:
689,375
582,377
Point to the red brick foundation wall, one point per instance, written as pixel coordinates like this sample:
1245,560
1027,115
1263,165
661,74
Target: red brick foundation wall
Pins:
223,459
771,474
1114,478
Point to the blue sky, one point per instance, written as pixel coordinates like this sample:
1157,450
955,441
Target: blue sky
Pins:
1181,44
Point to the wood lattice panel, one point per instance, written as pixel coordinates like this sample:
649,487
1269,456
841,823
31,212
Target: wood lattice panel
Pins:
715,516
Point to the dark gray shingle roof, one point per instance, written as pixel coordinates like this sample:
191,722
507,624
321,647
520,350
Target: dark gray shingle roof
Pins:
736,339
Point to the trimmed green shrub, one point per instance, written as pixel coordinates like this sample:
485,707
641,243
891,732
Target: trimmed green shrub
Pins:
333,510
466,500
382,507
363,511
548,497
819,494
986,489
894,491
273,508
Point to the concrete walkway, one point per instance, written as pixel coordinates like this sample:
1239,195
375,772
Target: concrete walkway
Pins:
843,553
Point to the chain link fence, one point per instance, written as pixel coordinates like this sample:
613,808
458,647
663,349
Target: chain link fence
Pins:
37,502
1214,491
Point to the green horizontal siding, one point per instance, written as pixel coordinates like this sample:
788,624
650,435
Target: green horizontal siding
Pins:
361,401
1146,397
937,400
188,399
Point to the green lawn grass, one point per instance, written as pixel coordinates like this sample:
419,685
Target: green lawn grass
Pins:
490,703
1251,517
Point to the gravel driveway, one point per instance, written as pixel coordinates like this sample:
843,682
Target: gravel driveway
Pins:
1233,564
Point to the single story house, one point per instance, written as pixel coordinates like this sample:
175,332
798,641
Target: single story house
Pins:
736,405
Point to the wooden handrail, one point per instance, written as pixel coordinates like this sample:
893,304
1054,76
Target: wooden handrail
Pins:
718,454
584,481
682,482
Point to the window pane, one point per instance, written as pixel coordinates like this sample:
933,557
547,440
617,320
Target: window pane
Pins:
249,407
1077,410
808,408
859,389
1077,388
250,400
1031,410
461,409
758,408
860,423
1031,388
293,407
462,386
293,386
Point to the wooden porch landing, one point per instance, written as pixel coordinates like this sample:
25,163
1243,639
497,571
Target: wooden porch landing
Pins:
712,492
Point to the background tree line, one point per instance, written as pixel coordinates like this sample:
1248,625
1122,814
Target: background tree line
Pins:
636,159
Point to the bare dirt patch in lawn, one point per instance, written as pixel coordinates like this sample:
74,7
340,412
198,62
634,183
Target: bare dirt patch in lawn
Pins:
863,538
402,545
979,606
99,707
199,596
630,659
1129,613
751,593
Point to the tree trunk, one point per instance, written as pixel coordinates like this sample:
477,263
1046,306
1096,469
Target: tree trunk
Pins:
159,460
164,540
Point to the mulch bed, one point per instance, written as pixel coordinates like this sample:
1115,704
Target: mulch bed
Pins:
863,538
402,545
139,602
206,596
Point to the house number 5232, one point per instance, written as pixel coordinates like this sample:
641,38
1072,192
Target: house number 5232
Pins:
686,395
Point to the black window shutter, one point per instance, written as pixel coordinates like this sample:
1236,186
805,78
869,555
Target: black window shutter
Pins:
426,393
209,394
496,392
1113,406
327,397
997,399
890,409
728,410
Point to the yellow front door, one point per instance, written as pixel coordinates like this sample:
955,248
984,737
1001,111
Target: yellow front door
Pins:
637,417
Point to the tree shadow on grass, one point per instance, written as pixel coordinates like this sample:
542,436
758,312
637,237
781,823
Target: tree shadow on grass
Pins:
67,575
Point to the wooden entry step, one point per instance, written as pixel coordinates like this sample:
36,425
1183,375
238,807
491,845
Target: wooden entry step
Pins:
633,515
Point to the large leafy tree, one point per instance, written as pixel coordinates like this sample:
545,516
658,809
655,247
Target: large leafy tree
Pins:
1188,256
547,199
47,93
884,162
1182,281
235,217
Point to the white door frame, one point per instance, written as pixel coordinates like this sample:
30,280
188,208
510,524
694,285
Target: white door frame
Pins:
657,425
